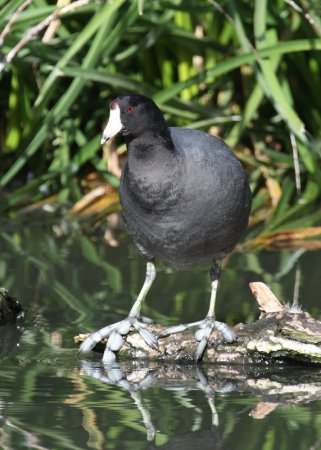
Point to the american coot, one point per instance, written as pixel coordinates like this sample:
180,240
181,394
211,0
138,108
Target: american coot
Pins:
185,200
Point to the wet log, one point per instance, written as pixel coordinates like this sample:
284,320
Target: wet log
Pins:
10,308
11,316
282,334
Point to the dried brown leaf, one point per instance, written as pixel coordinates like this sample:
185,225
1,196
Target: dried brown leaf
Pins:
298,238
95,201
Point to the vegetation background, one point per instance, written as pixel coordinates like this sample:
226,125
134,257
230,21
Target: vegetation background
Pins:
248,71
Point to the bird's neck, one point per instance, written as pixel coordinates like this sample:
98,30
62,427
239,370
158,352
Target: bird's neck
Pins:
147,142
153,170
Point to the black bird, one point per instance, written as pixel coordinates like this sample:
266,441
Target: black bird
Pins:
185,200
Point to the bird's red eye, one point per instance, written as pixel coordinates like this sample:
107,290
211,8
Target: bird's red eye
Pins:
130,109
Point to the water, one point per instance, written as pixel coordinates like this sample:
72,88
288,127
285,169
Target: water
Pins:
73,282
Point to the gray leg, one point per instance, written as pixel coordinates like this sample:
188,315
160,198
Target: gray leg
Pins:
116,331
206,325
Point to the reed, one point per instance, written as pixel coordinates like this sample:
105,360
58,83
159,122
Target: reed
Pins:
247,71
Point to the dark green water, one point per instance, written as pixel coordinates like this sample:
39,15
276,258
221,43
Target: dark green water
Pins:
69,283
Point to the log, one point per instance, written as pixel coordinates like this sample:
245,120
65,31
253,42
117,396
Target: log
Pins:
282,334
11,315
10,308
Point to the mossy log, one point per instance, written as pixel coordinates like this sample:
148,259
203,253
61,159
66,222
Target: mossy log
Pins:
11,314
282,334
10,308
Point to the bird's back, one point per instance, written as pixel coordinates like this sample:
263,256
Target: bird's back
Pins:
209,211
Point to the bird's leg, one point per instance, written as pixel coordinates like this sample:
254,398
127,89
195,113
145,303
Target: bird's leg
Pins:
149,279
116,331
206,326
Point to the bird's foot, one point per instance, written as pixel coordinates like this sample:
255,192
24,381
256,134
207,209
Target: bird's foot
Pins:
203,332
116,333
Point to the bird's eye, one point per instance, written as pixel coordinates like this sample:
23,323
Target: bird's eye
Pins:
130,109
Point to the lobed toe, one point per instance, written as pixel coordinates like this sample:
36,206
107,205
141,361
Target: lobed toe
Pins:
148,337
115,341
88,344
200,349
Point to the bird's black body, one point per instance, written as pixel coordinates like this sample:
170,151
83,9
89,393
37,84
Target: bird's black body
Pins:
186,199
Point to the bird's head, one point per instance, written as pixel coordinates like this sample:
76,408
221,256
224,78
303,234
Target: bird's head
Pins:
132,115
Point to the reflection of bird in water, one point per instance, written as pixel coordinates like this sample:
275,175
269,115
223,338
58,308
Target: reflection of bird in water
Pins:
195,440
185,200
146,378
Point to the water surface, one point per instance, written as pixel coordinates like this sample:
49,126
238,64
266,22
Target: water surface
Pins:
71,282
